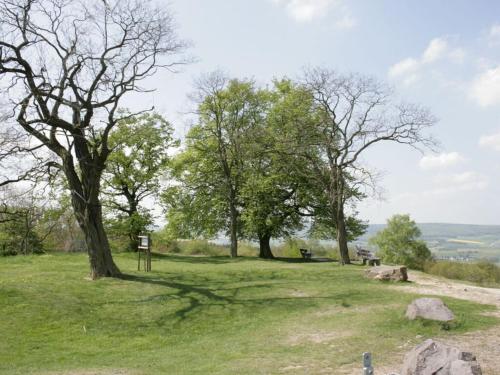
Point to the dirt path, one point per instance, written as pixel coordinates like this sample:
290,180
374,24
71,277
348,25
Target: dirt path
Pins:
484,344
428,284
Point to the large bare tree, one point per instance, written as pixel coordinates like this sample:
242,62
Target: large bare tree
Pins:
354,114
66,65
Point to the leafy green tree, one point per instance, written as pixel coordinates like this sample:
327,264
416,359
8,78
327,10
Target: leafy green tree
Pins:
210,172
399,243
276,194
140,147
22,221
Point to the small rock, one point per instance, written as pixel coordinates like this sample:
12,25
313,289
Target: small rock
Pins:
429,308
435,358
387,273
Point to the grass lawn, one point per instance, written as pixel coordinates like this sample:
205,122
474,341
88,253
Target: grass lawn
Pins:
204,315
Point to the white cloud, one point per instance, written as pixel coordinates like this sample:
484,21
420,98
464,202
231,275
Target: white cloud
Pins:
485,88
404,67
465,181
490,141
436,49
305,10
443,160
494,35
309,10
410,69
346,22
457,55
447,185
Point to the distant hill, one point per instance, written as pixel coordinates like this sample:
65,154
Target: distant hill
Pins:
439,230
450,240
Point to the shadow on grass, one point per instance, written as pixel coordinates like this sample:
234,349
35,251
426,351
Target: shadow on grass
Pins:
302,260
202,259
207,259
197,296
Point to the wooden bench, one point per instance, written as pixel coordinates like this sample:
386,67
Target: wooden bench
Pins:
306,254
367,256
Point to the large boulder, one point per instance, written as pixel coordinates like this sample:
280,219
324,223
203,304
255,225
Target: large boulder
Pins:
435,358
429,308
387,273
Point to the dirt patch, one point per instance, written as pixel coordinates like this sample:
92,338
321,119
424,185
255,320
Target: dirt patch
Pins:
94,372
299,294
317,337
427,284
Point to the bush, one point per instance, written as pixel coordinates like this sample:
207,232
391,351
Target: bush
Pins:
398,243
290,248
482,272
5,251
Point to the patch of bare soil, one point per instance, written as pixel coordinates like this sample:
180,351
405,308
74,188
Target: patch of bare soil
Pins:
317,337
485,344
428,284
95,372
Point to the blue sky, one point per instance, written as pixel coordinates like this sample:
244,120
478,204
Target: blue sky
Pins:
442,54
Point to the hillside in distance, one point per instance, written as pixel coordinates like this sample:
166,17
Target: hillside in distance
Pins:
467,241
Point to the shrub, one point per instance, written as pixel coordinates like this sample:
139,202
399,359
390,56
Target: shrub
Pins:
398,243
482,272
290,248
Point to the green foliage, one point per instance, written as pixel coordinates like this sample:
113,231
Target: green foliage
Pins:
398,243
483,272
290,248
140,157
22,222
210,171
323,227
276,191
18,238
250,155
164,244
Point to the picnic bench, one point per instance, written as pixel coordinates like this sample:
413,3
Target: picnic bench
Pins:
306,254
367,256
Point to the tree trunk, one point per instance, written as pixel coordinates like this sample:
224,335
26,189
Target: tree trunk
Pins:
265,248
133,231
233,216
342,237
133,243
88,212
101,261
234,232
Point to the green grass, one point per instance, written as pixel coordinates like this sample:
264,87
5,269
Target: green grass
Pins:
204,315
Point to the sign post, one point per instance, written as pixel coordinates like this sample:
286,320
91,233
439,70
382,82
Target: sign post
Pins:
144,245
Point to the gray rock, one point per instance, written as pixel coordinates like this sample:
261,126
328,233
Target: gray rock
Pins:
429,308
387,273
435,358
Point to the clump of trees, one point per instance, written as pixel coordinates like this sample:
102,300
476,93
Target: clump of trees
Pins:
399,243
28,220
67,65
262,163
258,163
